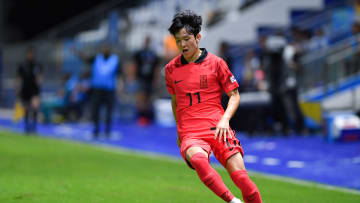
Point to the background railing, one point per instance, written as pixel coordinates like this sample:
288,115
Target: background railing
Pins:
320,68
327,72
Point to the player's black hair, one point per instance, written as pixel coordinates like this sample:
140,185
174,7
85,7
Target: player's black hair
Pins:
186,19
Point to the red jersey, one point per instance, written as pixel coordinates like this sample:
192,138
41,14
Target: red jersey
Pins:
198,88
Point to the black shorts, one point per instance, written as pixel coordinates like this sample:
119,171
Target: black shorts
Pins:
27,94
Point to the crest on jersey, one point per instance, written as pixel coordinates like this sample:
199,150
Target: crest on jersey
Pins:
232,79
203,82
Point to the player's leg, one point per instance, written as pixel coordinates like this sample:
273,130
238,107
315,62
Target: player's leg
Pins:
199,160
35,105
109,103
26,105
96,106
236,168
230,154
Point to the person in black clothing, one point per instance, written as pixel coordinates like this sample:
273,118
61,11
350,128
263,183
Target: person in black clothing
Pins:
104,72
275,72
147,62
28,89
292,54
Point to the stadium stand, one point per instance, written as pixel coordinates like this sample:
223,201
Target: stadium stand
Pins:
296,20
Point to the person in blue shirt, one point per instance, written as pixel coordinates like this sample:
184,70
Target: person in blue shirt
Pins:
76,96
104,72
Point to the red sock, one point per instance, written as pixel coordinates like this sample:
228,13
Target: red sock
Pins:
248,189
210,177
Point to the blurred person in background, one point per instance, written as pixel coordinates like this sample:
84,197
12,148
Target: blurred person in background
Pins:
253,74
104,72
128,89
291,55
147,66
28,84
276,74
224,54
196,80
170,48
318,41
76,95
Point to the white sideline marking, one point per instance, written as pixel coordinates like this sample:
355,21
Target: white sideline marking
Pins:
250,159
295,164
356,160
271,161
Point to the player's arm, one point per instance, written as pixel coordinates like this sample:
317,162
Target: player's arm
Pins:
173,106
223,127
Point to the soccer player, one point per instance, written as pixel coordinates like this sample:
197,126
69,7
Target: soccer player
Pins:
196,80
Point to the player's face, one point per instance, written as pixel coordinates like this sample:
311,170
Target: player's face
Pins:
187,43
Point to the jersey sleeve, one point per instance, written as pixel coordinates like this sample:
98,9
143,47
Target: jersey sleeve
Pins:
225,77
169,83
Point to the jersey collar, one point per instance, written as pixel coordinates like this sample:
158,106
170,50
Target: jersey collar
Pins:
202,57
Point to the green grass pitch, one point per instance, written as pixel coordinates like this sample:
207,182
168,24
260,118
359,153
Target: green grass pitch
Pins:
39,169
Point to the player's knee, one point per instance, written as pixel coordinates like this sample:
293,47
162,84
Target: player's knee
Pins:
198,159
235,163
200,163
194,150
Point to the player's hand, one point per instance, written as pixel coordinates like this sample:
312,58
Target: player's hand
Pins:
223,130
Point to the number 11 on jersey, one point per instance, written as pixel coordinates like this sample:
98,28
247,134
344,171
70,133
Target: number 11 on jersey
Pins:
190,96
